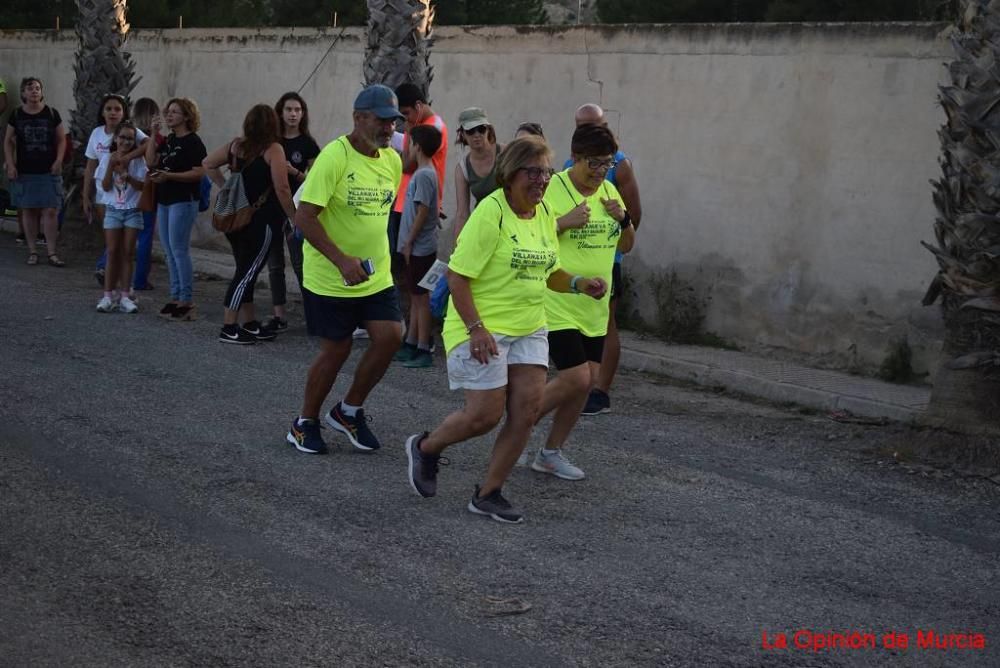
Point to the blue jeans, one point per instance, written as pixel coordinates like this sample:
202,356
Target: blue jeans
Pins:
143,253
175,222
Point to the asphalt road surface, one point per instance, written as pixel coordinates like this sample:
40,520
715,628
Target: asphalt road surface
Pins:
151,514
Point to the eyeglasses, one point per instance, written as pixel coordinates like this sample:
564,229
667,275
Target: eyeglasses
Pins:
596,164
538,173
478,130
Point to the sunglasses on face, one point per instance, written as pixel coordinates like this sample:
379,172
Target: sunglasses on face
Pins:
538,173
597,164
478,130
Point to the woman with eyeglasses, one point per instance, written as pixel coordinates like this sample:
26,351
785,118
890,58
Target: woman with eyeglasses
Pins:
475,175
592,226
506,259
121,182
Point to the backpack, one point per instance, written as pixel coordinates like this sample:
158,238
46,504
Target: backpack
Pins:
233,211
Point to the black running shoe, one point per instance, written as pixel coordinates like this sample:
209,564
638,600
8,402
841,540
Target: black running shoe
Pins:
236,335
355,428
276,324
304,435
494,506
99,275
21,239
168,309
258,331
422,468
598,402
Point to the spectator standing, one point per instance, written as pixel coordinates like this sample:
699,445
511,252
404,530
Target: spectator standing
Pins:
34,146
121,181
475,174
418,242
143,113
529,128
414,108
622,176
175,168
506,257
112,111
300,154
260,158
343,214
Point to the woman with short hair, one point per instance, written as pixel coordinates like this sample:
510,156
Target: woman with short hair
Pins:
506,258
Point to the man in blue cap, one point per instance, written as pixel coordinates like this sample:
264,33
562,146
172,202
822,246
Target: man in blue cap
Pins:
346,200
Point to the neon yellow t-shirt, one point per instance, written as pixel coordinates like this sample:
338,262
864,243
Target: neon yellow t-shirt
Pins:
356,194
588,251
509,260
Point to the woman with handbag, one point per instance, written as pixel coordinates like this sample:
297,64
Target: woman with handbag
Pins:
259,159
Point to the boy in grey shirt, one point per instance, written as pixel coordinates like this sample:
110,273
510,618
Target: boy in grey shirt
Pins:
418,242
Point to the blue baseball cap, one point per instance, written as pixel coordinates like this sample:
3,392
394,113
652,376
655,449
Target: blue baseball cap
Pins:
380,100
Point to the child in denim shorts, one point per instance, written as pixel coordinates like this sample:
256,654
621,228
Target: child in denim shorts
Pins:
121,188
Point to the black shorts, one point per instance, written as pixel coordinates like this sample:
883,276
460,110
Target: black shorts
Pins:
616,280
336,318
416,270
569,348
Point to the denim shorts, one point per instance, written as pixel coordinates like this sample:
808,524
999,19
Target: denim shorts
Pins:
466,373
116,219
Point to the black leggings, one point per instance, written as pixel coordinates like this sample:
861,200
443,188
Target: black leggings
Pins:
276,263
250,249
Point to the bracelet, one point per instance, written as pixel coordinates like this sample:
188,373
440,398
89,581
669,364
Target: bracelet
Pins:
469,328
572,284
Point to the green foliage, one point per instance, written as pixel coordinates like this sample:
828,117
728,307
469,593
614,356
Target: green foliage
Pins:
711,11
489,12
897,366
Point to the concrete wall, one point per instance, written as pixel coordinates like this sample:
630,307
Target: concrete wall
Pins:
784,168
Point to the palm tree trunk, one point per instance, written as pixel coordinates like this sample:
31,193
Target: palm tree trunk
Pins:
399,43
102,66
966,394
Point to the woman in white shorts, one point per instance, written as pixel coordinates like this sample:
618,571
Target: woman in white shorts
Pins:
506,256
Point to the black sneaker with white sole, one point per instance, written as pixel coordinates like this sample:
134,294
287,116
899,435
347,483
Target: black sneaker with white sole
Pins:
598,402
259,332
355,428
494,506
236,335
275,324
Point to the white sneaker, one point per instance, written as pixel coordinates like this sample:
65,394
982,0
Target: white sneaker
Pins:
360,333
523,459
105,305
556,464
126,305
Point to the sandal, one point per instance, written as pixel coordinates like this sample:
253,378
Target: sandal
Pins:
55,261
32,258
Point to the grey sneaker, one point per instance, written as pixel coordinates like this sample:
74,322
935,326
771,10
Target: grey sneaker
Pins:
522,460
494,506
556,464
422,469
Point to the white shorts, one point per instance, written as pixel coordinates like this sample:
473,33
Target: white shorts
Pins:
466,373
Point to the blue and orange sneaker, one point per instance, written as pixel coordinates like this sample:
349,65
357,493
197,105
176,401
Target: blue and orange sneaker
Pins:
304,435
355,428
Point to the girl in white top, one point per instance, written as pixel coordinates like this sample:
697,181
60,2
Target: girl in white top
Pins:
113,110
121,182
